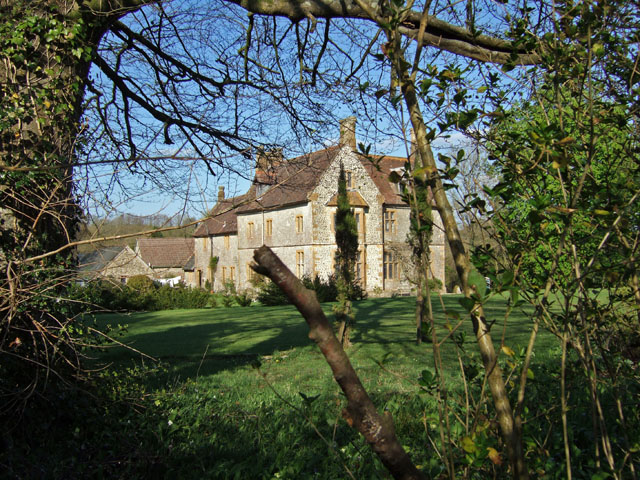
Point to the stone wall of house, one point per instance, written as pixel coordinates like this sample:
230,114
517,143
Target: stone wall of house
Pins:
126,265
202,253
372,236
225,247
438,250
291,232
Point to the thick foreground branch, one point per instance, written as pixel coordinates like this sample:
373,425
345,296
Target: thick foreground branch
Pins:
437,33
360,413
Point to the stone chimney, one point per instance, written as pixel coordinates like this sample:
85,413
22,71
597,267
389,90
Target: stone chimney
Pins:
348,132
266,164
220,194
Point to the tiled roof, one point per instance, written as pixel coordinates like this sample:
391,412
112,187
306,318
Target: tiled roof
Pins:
380,176
165,252
355,200
190,264
222,218
293,181
98,259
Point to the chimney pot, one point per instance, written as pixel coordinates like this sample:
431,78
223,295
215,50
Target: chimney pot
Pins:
220,194
348,132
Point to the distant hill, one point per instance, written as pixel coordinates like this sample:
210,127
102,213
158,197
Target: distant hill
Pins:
129,224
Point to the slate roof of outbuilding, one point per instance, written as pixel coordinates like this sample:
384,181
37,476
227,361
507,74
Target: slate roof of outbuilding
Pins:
97,260
165,252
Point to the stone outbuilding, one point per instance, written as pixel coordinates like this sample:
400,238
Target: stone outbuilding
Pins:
291,207
115,263
166,257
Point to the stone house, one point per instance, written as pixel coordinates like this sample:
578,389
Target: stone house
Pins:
291,208
115,263
166,257
157,258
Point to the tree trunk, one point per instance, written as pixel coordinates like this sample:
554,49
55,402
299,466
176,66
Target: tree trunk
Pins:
378,430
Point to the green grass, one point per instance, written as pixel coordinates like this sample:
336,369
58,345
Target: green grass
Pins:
183,338
220,345
205,411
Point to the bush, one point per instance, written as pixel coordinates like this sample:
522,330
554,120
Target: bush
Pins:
270,295
435,285
141,283
326,291
143,296
244,299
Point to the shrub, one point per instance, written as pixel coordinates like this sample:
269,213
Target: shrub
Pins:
326,291
244,299
270,295
102,294
435,285
141,283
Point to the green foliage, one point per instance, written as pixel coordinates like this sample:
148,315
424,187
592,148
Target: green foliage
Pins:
139,294
141,283
326,291
244,299
270,295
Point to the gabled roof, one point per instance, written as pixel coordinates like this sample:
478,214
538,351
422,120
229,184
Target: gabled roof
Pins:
291,182
97,260
222,218
355,200
294,180
165,252
379,169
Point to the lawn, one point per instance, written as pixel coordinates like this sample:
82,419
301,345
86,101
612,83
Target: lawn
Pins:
205,339
210,357
243,393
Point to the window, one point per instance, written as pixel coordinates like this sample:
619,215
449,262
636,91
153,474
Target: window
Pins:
224,274
252,276
269,229
359,216
349,178
204,242
390,225
232,274
299,224
199,278
390,266
226,242
250,230
300,264
359,222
